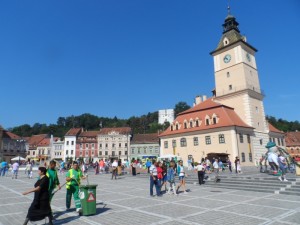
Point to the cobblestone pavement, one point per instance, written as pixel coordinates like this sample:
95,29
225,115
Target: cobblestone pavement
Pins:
127,201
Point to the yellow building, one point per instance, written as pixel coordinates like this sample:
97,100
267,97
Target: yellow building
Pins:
232,122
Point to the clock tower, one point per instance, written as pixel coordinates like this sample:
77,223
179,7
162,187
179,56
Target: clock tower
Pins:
237,82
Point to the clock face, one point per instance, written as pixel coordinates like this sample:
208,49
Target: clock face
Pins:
227,58
248,57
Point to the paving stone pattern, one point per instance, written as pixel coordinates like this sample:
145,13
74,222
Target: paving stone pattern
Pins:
127,201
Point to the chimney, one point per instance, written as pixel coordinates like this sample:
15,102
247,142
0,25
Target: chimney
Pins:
198,100
204,97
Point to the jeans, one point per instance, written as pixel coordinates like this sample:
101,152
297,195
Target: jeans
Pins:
200,177
155,183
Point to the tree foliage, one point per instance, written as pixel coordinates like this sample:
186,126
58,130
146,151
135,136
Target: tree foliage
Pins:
144,124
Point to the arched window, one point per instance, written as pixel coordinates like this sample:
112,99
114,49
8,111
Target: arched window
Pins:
197,123
185,125
183,142
207,121
191,124
171,127
176,126
214,120
243,157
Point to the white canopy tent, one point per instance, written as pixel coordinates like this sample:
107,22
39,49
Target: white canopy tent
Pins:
18,158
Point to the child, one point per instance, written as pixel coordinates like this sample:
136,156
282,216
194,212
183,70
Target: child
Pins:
171,178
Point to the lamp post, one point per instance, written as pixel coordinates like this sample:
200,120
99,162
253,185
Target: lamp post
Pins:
128,137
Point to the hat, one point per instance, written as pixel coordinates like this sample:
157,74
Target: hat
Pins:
270,144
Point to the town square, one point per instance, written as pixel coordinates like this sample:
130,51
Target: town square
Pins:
149,112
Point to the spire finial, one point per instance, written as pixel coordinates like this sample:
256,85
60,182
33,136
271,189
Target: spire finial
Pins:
228,7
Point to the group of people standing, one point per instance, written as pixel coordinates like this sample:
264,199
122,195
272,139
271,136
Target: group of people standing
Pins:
163,175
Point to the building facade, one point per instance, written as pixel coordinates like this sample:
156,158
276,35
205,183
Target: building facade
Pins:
165,115
114,143
292,140
70,143
231,123
57,149
11,145
144,145
33,141
87,146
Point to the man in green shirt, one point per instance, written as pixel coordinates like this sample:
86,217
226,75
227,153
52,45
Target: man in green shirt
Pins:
73,181
53,178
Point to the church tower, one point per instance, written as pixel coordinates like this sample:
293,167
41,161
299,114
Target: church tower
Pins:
237,82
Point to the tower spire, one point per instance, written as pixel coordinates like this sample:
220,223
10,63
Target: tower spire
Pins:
228,8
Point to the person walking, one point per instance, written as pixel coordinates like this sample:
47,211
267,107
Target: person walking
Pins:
236,164
216,170
53,178
114,169
182,175
171,178
283,167
154,179
40,206
15,169
148,164
28,169
4,167
73,178
133,167
229,165
200,170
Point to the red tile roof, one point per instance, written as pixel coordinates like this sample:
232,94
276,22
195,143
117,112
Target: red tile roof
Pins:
73,132
89,133
226,116
10,135
44,142
145,138
292,139
274,129
120,130
35,139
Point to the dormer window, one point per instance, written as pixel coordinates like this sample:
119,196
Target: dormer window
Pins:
225,41
191,124
185,125
171,127
207,121
176,126
214,120
197,123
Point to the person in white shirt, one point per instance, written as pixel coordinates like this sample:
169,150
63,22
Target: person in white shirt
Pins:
216,170
114,169
200,170
154,181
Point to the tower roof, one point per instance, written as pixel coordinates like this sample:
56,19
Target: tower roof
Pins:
231,34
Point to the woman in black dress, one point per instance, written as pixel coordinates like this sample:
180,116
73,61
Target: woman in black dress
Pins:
40,206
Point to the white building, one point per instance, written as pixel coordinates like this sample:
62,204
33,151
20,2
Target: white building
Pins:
165,115
70,143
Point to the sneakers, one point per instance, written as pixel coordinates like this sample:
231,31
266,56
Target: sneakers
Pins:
78,210
285,180
279,178
185,192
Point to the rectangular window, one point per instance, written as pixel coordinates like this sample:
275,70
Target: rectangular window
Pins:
145,150
113,153
207,140
93,145
248,138
120,145
120,152
126,152
100,146
72,152
132,151
221,139
72,143
113,145
196,141
106,145
125,145
139,152
67,152
165,144
174,143
260,141
106,152
230,87
33,152
67,142
243,157
100,152
250,157
241,138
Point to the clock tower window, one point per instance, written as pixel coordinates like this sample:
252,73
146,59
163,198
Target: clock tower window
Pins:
228,74
230,87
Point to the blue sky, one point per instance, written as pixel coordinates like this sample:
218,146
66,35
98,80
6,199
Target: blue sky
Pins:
129,57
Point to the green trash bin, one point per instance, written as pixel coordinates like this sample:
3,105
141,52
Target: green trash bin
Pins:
88,199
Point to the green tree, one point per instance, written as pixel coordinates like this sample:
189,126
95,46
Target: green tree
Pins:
180,107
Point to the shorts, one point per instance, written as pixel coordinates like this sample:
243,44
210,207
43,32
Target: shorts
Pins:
181,178
164,179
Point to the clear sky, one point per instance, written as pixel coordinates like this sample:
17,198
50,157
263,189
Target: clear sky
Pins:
129,57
